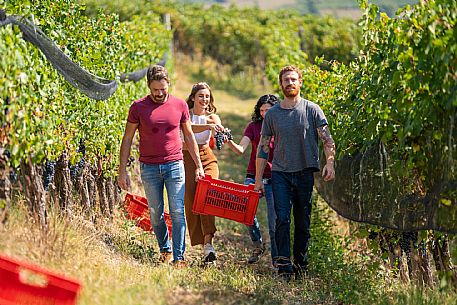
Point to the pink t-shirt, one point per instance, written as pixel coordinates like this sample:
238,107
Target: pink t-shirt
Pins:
159,128
252,131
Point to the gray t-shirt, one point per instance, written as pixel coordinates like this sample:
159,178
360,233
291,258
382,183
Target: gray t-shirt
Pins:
295,135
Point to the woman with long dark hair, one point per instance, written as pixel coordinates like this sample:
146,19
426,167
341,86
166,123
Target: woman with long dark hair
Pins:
252,136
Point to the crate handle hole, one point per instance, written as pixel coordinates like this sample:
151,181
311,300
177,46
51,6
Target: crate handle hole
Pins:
31,278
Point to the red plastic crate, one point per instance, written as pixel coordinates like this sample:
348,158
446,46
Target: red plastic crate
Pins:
226,199
25,284
137,209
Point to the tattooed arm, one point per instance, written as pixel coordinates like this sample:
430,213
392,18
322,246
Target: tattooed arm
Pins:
328,172
261,161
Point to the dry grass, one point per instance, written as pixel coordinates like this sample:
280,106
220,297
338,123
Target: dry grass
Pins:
75,248
81,250
102,257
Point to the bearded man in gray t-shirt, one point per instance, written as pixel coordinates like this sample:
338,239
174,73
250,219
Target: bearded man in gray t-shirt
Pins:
295,124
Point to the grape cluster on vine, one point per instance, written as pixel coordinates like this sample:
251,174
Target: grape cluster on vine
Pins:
49,171
7,102
82,147
221,137
13,175
7,153
406,240
76,169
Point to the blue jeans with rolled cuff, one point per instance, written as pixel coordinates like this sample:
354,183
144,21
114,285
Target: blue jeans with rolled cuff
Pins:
292,190
172,176
254,230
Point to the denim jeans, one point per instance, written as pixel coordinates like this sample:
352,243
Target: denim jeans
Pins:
254,230
154,177
292,190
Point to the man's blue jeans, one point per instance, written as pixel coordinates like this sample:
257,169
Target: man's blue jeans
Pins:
254,230
154,177
292,190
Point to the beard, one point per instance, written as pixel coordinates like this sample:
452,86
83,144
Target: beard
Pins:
159,99
290,91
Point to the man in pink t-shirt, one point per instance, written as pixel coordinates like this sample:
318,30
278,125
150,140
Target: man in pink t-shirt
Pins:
159,118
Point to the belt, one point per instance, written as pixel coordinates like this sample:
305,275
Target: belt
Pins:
264,180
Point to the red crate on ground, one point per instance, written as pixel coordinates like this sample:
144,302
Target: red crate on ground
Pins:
25,284
226,199
137,209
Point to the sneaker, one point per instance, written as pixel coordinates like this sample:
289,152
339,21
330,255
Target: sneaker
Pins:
209,254
274,263
285,269
179,264
165,257
256,254
285,275
301,272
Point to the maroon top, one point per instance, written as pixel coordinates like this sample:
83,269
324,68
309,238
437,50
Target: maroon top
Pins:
252,131
159,128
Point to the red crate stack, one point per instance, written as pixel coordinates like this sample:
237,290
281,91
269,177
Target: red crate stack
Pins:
24,284
138,210
226,199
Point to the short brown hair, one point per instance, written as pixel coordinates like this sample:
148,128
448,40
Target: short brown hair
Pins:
289,69
157,72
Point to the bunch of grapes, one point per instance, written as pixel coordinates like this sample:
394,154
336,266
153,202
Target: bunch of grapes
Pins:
81,163
49,171
82,147
76,169
2,15
220,137
13,175
7,153
405,242
7,102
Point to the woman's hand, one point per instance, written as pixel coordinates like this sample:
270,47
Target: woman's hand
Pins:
217,127
199,174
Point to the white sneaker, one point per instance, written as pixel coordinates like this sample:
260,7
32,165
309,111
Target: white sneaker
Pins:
209,254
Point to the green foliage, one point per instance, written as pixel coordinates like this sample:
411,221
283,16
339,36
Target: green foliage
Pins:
387,6
418,296
347,276
331,38
45,115
248,37
400,90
